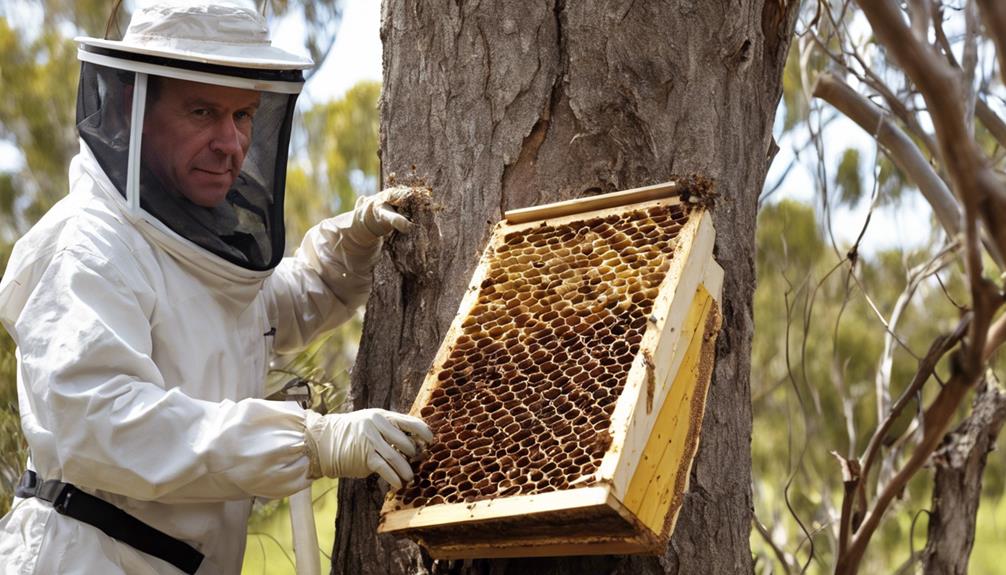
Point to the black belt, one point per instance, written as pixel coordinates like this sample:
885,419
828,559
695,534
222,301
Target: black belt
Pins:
114,522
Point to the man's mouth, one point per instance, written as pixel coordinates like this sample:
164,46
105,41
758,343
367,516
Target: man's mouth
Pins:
214,172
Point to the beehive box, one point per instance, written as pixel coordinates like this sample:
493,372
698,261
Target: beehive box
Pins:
567,396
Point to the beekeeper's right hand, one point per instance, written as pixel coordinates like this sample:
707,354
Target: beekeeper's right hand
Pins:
362,442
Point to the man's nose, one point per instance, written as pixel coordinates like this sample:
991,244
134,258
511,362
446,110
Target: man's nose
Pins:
228,138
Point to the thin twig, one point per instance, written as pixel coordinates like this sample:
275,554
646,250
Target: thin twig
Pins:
949,297
915,278
939,348
803,409
780,555
838,375
898,146
913,556
278,544
880,316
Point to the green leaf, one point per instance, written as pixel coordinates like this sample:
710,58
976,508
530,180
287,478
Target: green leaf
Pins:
847,178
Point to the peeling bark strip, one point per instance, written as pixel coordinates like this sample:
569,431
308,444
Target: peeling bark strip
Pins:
960,463
507,104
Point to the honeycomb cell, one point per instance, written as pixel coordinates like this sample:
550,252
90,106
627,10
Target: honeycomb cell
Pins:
523,402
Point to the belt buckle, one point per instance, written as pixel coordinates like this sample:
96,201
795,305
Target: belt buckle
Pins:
56,493
61,503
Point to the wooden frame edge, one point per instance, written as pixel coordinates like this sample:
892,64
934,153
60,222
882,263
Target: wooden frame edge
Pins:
489,509
591,203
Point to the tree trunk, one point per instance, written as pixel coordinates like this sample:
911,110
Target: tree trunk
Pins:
957,489
504,104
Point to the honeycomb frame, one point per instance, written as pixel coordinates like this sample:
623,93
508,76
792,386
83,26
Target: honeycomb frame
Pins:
583,442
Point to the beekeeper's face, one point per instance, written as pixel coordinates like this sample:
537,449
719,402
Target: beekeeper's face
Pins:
195,136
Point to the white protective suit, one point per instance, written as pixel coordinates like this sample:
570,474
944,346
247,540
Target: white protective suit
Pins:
140,358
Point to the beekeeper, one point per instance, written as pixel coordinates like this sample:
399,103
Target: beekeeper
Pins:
147,303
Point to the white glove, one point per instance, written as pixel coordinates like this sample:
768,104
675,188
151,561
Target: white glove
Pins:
377,214
350,244
363,442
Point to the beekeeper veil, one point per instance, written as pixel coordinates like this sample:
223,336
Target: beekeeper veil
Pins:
189,116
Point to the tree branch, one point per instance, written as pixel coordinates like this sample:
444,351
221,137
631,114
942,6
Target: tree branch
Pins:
899,147
996,337
960,464
992,122
898,108
985,114
851,478
937,350
918,13
969,64
994,15
975,183
915,278
894,103
937,419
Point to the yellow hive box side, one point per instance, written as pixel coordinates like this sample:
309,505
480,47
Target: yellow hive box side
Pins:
661,478
696,329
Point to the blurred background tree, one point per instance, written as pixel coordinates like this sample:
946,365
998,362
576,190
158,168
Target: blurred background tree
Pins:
856,282
820,359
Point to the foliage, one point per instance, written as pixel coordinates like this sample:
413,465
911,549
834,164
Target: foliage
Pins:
816,349
848,179
340,161
38,78
826,309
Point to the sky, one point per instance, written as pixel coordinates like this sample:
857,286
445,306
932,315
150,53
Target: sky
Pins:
905,225
355,56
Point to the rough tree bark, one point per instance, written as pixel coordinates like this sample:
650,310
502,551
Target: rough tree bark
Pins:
960,465
499,105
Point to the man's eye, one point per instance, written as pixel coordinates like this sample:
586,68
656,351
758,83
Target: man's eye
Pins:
244,115
200,112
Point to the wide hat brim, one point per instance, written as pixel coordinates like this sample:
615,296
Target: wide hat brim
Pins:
251,55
